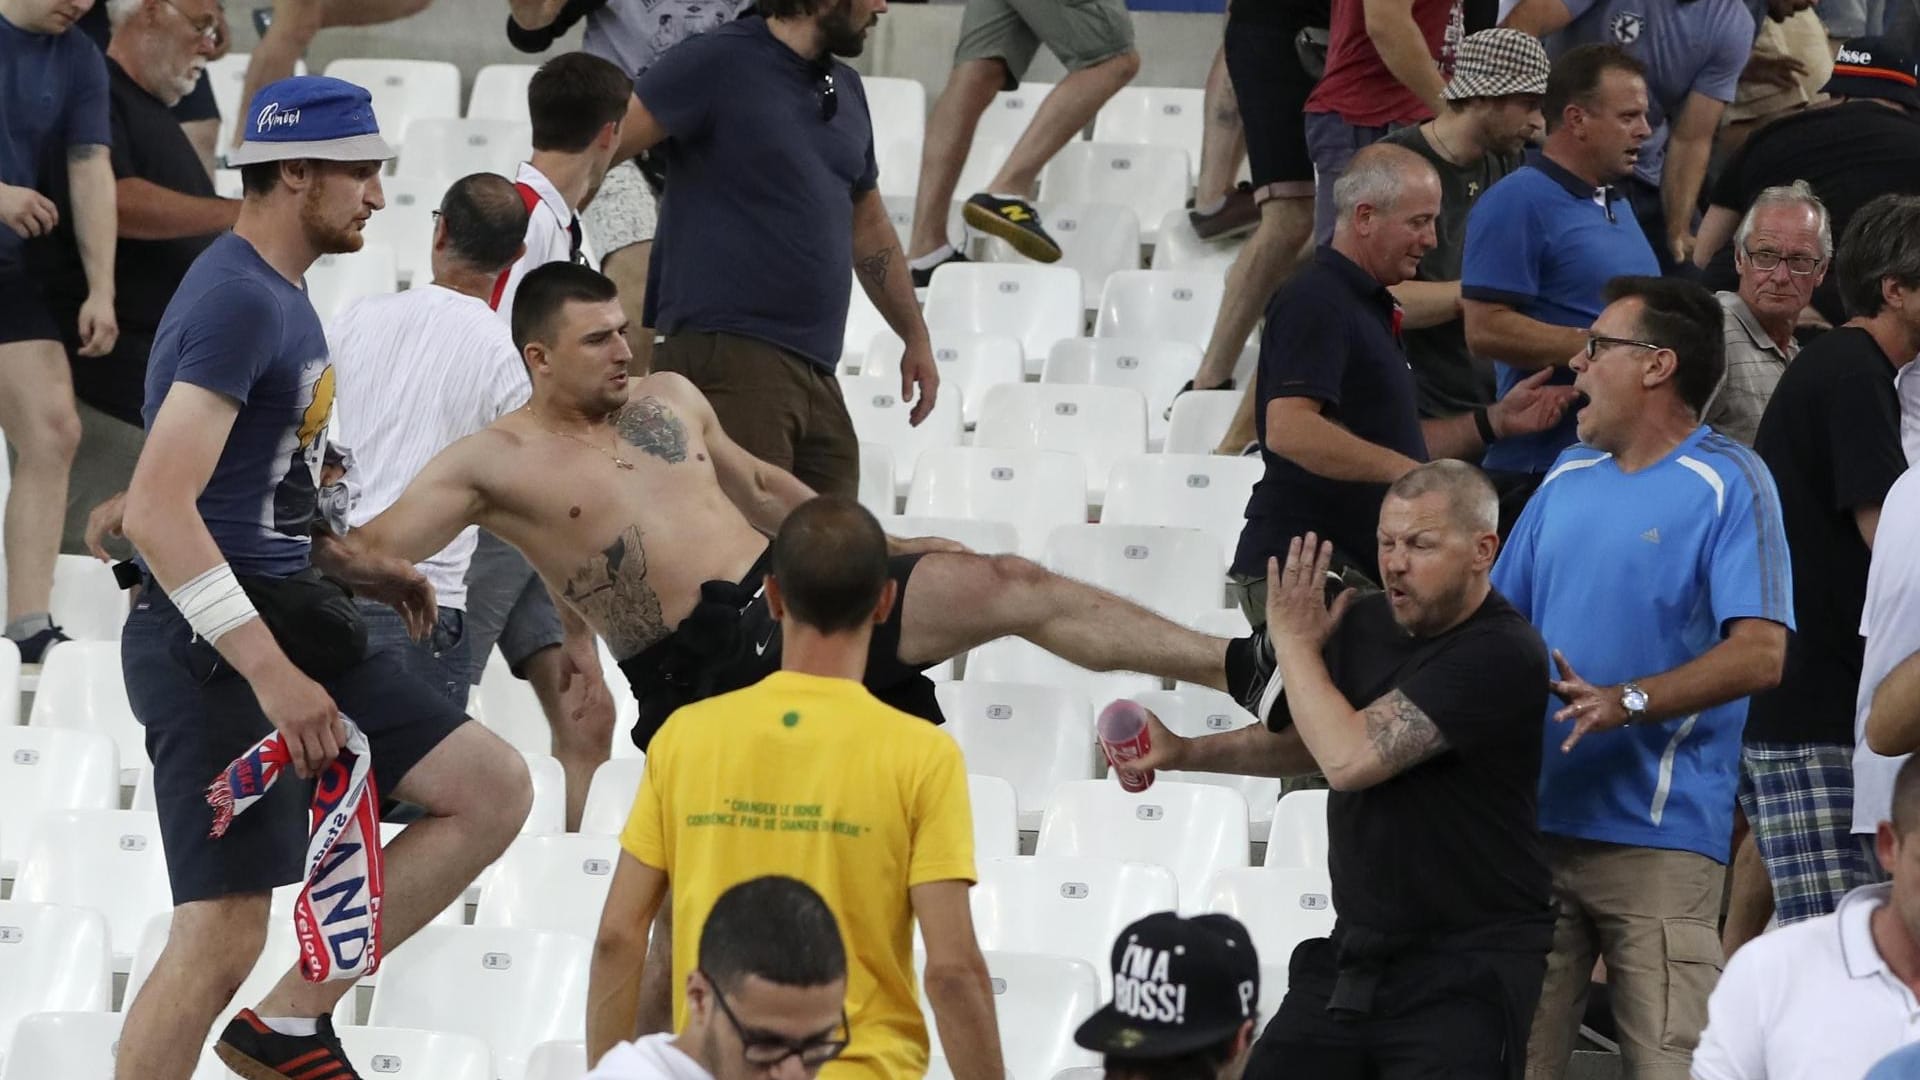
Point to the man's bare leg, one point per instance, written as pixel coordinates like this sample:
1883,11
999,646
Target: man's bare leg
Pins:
1267,259
211,947
1223,143
1062,114
953,603
970,89
1750,894
581,740
295,22
475,791
628,269
37,414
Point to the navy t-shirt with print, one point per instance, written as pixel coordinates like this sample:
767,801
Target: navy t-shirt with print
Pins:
755,234
238,328
53,95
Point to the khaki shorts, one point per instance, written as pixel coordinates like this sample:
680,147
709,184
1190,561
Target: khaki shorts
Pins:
1654,916
1080,33
781,408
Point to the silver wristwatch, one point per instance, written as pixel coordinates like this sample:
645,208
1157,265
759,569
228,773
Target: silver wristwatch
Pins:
1634,700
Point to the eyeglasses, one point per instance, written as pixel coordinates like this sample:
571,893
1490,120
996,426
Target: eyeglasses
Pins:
767,1049
829,98
1768,261
208,28
1596,342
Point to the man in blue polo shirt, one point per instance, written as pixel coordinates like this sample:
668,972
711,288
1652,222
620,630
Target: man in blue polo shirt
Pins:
1654,563
1543,242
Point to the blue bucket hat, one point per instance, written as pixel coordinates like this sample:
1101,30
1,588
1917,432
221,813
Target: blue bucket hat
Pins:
310,116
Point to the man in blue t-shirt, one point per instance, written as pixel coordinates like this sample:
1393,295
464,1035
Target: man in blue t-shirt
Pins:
772,169
1654,563
1694,52
53,106
1543,243
222,509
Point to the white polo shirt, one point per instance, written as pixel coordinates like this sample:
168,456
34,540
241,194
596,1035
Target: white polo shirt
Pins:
651,1058
1811,1001
551,228
1890,621
414,373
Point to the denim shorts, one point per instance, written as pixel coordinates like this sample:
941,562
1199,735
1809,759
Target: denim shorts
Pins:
442,661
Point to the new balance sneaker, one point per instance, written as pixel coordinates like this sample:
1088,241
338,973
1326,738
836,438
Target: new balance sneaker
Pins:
252,1049
1012,220
1237,216
924,278
33,650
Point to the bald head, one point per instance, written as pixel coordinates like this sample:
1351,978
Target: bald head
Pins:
1376,177
1472,503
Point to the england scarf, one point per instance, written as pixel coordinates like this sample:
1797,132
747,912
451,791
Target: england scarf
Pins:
340,940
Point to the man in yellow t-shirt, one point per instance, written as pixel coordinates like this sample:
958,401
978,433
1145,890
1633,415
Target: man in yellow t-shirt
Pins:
807,775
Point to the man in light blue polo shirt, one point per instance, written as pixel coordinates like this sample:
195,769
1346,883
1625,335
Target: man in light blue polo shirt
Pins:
1543,242
1654,563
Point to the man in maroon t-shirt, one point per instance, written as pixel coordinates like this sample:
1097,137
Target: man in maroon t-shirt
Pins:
1387,61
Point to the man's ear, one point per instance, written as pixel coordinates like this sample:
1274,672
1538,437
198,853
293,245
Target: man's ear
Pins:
776,603
1662,366
884,608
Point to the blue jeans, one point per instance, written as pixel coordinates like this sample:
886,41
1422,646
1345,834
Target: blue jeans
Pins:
442,661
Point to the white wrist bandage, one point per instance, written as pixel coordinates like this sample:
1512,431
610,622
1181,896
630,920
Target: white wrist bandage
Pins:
214,603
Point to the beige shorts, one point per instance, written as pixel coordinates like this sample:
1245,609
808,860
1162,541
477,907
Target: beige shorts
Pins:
623,212
1080,33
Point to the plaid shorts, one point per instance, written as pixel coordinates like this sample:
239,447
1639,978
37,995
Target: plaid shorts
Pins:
1799,799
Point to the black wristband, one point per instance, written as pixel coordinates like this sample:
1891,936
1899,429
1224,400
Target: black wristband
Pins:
1484,425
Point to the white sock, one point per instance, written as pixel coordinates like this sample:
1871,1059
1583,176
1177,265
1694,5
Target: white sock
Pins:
292,1025
932,258
1011,198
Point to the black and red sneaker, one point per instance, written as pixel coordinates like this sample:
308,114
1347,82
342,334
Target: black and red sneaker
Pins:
255,1051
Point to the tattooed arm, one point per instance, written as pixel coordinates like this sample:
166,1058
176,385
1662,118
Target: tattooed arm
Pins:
883,273
765,493
1355,748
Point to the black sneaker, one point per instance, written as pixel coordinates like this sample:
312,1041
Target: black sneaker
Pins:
252,1049
1012,220
924,278
1238,216
1262,688
33,650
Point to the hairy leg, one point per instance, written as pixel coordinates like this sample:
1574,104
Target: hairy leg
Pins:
211,947
1266,260
1062,114
582,742
970,89
1223,144
37,414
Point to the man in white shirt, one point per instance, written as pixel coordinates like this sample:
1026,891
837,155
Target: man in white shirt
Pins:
767,999
1827,997
416,372
1890,621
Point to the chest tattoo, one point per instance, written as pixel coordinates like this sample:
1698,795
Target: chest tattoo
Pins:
651,427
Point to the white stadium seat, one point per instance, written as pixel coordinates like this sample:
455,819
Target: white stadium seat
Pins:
108,860
405,225
403,90
81,687
1176,572
62,1046
969,364
1299,837
1038,1001
980,535
45,769
550,883
1034,490
1000,127
1163,305
876,479
55,959
1033,737
87,602
1199,420
996,816
1226,623
1195,830
446,148
1066,906
9,679
511,988
1192,712
557,1059
880,415
1096,239
863,322
1156,115
334,282
509,708
409,1054
1012,659
1149,180
1280,907
610,796
1201,491
1156,368
1037,304
1100,423
1180,248
548,814
898,108
500,92
277,957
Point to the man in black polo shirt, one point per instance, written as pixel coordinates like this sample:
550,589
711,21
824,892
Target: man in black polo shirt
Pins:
1334,400
1422,706
168,214
1863,144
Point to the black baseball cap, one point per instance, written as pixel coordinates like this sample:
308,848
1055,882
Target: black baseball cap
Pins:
1179,985
1874,67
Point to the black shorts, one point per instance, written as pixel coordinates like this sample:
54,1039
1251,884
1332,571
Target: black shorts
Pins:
200,715
732,641
24,315
1272,89
198,104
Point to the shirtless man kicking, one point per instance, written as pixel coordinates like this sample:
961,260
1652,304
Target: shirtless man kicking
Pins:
651,525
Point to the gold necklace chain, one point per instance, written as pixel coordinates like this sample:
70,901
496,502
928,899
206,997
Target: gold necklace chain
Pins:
604,452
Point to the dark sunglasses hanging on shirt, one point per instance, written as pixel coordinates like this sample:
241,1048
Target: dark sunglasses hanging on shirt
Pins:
829,97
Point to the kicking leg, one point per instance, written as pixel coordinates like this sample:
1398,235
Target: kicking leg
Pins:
954,602
970,89
582,739
1062,114
211,947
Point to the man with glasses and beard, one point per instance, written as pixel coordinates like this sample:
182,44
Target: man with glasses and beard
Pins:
768,998
771,166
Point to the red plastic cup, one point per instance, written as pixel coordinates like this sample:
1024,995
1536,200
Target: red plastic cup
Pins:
1122,729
